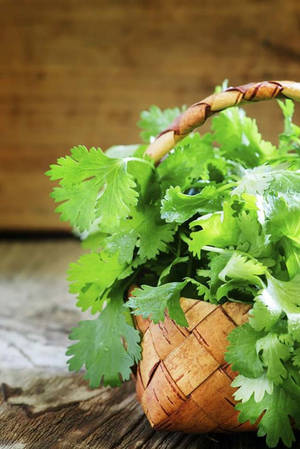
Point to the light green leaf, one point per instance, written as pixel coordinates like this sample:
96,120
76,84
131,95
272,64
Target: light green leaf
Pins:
284,218
278,297
292,257
258,179
155,120
239,138
92,186
231,288
193,158
107,346
275,423
260,317
251,386
152,302
219,229
143,229
217,263
94,241
178,207
296,358
240,267
253,238
290,138
91,276
273,353
241,352
122,151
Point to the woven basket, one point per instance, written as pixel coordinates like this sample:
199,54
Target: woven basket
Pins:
183,381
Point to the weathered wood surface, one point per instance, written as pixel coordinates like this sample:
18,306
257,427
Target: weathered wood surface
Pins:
42,405
78,72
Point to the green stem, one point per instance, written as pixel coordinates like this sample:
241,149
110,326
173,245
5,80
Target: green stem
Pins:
215,250
136,159
184,238
178,248
227,186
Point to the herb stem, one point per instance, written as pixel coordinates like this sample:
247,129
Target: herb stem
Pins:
178,248
136,159
227,186
214,249
184,238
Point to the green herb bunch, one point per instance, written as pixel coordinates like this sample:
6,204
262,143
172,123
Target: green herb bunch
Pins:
217,220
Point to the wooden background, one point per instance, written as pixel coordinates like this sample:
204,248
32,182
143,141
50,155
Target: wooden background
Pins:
79,71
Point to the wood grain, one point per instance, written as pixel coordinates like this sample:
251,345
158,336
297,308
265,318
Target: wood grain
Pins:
79,72
42,406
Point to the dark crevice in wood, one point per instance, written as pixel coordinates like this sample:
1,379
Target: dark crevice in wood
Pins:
24,235
8,391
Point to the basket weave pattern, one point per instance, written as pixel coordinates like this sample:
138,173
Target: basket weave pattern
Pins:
183,381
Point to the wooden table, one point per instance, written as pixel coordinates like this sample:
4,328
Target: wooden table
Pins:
42,405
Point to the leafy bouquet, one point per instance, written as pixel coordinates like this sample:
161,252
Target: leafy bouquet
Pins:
216,220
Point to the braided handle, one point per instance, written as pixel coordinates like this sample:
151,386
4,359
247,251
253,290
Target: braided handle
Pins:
197,114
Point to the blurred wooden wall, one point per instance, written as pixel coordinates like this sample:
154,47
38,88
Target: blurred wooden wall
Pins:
79,71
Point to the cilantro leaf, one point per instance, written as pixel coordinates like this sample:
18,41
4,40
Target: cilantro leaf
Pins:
153,301
292,257
218,229
155,120
239,137
296,357
284,218
242,268
275,423
101,346
92,186
123,243
290,138
91,276
260,318
273,354
216,264
150,233
191,159
247,386
94,241
258,179
122,151
235,291
254,238
143,229
178,207
279,297
222,87
242,353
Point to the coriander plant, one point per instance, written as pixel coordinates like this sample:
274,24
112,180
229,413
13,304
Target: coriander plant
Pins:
217,220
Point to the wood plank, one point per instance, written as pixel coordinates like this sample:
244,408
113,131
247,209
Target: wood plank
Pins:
80,72
41,404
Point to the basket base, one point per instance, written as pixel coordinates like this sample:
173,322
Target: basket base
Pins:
183,382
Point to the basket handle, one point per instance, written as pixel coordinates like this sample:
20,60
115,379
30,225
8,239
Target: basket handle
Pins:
197,114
